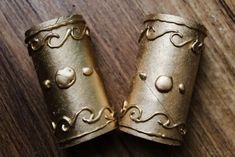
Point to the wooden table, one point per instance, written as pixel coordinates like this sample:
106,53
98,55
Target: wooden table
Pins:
115,27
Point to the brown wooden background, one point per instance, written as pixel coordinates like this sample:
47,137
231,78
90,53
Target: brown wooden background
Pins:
115,26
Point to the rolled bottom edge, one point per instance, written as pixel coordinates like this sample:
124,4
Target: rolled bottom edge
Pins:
150,136
89,136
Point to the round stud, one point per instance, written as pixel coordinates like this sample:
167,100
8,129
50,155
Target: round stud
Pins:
143,76
164,84
65,77
181,88
87,71
47,84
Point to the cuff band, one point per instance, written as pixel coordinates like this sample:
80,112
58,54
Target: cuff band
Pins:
62,54
158,103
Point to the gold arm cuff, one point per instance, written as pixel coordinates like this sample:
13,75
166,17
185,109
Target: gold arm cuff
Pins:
62,54
158,103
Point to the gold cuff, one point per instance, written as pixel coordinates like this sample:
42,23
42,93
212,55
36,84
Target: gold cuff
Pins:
157,106
62,54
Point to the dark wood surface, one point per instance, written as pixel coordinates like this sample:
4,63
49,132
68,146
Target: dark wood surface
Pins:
115,26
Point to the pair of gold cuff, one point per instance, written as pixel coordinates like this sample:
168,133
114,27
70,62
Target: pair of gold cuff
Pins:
157,106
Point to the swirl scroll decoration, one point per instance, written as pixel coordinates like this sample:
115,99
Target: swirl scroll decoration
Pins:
75,32
149,33
136,116
65,123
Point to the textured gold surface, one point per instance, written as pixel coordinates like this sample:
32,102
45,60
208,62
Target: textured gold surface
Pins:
158,103
61,50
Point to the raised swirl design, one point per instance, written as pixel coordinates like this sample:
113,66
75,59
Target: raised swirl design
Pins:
65,123
149,32
75,32
181,36
136,116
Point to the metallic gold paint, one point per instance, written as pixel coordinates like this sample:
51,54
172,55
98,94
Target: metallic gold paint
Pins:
157,106
76,100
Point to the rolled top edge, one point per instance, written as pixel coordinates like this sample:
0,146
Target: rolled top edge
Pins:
52,24
176,20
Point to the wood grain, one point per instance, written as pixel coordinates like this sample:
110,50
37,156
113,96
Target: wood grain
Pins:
115,26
